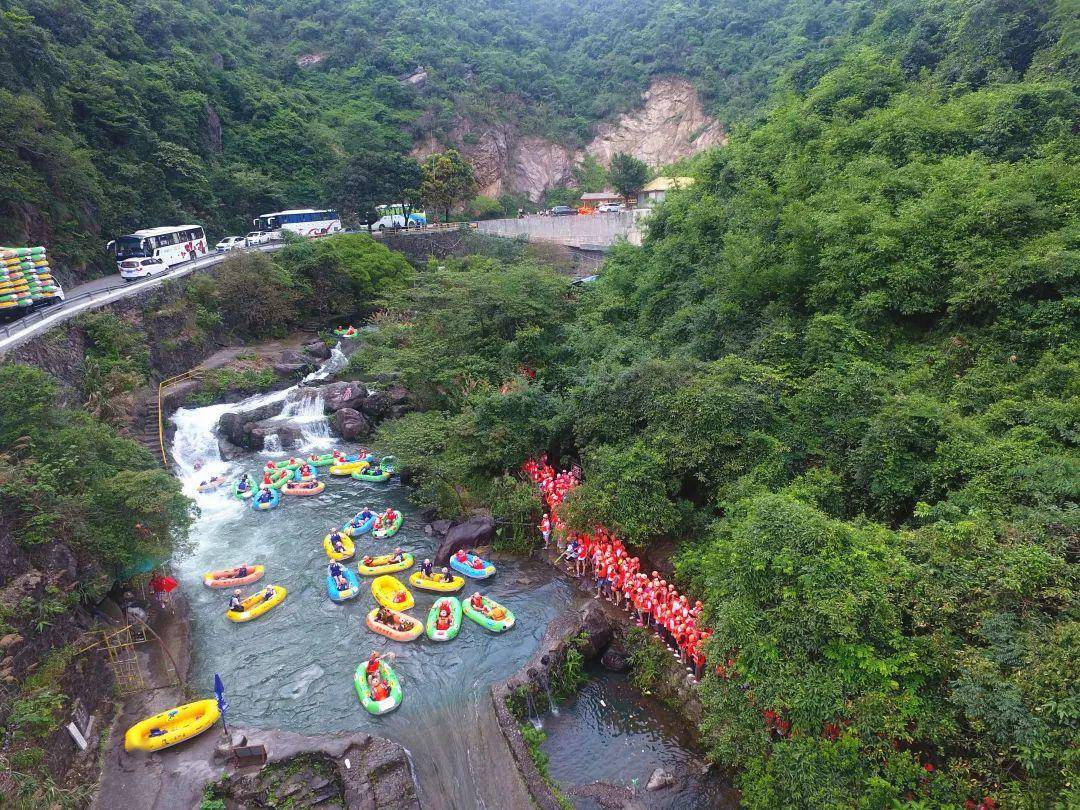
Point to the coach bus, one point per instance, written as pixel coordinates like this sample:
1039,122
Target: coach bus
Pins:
302,221
155,250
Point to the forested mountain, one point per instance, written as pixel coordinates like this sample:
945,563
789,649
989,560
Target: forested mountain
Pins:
840,377
116,114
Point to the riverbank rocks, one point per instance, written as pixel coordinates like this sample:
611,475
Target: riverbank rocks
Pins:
659,780
317,349
236,425
475,531
291,363
340,395
331,771
615,659
351,425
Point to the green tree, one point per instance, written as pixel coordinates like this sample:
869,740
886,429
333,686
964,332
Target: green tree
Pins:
627,174
370,179
447,180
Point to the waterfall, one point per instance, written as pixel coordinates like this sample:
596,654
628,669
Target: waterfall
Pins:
195,451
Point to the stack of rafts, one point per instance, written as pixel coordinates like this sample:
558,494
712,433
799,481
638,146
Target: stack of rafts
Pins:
25,278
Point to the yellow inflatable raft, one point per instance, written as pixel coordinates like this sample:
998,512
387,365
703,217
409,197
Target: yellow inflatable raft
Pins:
255,605
346,542
349,467
436,584
172,726
382,565
390,593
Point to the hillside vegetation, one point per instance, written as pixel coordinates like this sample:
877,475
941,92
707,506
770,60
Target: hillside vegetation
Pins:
119,114
842,375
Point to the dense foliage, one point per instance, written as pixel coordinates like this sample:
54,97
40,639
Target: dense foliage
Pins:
842,374
130,113
64,474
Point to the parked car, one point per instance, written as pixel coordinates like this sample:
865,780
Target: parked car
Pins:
231,243
131,269
562,211
609,208
259,238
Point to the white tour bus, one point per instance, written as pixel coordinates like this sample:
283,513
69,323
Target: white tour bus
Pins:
155,250
302,221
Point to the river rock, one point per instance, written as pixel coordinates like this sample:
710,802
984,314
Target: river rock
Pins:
376,406
344,395
659,780
440,527
351,425
292,363
288,435
475,531
398,397
615,659
234,425
317,349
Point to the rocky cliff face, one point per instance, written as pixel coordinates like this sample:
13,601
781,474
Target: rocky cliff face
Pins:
668,125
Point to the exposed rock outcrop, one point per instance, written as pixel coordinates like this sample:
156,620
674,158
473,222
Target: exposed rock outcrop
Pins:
670,124
351,425
475,531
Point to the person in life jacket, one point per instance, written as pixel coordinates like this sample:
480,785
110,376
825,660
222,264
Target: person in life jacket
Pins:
336,542
265,496
305,470
461,555
376,685
236,604
426,569
397,556
446,575
477,601
442,622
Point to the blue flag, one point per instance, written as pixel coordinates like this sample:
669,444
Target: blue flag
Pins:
219,690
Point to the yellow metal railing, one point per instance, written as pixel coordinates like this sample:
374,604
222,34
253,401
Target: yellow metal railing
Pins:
160,419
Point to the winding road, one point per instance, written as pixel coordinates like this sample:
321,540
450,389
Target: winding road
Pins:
97,293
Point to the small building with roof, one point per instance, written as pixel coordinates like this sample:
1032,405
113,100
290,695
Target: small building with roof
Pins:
656,190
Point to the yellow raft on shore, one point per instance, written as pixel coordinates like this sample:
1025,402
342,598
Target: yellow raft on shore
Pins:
172,726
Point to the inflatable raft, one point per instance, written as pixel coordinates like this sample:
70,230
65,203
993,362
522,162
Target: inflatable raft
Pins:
212,484
383,565
172,726
387,704
364,475
416,627
348,467
389,531
261,506
436,633
435,584
325,460
255,605
247,493
303,488
224,578
497,619
311,476
337,595
470,569
346,542
354,529
390,593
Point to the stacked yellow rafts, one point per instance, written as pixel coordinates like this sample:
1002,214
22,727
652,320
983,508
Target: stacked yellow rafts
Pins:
25,278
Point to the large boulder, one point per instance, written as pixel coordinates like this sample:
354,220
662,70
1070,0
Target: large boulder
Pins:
476,531
615,659
398,398
235,426
339,395
288,436
317,349
376,406
659,780
292,363
351,425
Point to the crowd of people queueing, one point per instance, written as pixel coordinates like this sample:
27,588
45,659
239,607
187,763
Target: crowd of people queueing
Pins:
617,576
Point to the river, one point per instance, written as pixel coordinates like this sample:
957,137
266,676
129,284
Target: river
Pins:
293,668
